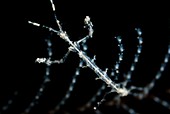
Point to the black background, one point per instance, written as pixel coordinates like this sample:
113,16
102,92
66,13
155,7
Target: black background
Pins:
23,43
